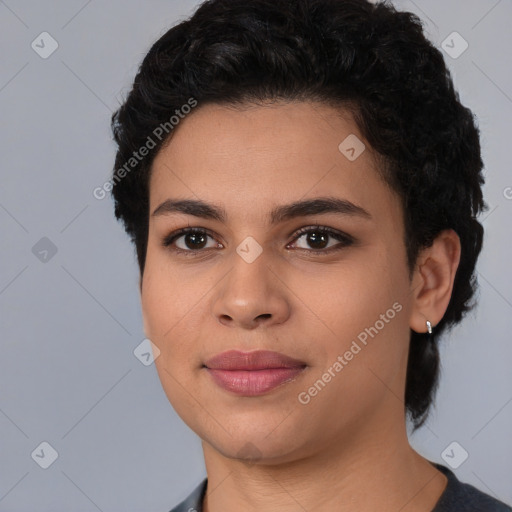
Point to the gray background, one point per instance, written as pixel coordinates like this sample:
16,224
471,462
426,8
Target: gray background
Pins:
70,324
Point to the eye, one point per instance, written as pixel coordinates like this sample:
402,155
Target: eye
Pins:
318,238
194,240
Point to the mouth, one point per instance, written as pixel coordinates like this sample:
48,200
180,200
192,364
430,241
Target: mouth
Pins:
252,373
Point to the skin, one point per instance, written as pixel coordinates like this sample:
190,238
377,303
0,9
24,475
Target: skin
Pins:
347,449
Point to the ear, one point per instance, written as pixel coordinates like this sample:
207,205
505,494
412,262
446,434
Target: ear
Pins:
432,282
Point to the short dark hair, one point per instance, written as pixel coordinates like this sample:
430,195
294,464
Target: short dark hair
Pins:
364,56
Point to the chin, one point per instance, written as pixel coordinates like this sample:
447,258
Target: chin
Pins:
256,441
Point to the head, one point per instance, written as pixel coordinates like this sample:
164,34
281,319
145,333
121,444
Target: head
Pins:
252,106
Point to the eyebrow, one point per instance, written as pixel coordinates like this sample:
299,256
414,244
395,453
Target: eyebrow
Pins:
317,206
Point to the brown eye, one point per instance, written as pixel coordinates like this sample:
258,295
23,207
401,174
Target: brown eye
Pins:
189,240
194,241
316,239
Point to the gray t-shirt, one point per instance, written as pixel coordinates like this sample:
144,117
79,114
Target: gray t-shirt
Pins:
457,497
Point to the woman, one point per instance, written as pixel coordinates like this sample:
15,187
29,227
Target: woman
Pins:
301,184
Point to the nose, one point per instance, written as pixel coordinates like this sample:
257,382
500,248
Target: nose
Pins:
252,295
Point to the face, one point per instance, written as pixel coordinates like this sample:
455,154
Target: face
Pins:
325,284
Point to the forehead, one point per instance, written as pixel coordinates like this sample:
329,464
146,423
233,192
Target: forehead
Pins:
255,158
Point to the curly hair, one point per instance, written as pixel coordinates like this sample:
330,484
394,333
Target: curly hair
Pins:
367,57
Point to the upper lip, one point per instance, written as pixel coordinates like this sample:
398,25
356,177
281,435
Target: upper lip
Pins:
256,360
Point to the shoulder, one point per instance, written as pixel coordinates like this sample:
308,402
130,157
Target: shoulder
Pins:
194,501
457,497
461,497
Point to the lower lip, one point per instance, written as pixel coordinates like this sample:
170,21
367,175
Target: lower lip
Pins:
253,382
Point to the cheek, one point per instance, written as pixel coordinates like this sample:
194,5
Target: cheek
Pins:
363,312
348,299
176,315
165,305
166,308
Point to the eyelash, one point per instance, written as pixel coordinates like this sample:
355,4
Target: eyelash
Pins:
344,239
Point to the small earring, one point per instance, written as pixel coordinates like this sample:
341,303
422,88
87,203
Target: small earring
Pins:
429,327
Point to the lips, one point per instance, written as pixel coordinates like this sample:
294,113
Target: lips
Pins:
258,360
252,373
